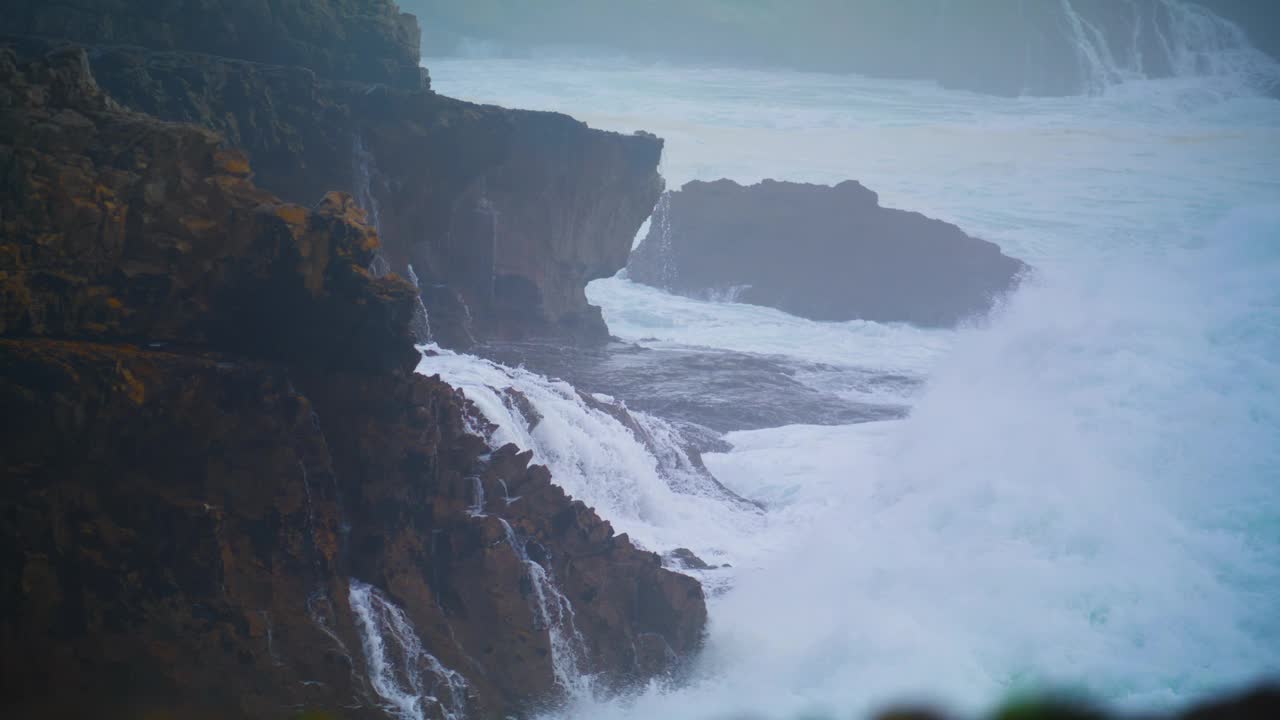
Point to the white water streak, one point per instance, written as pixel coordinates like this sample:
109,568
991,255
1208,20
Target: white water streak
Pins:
396,659
363,169
477,497
647,492
1194,41
666,253
554,613
420,326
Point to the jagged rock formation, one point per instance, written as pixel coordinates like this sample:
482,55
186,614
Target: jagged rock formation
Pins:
224,480
826,253
504,215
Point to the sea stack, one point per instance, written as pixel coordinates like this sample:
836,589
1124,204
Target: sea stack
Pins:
820,252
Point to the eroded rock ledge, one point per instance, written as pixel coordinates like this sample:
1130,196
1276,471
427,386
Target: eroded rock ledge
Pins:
220,470
825,253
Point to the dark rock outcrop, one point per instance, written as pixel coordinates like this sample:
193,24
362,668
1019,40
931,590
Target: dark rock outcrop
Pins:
219,469
826,253
504,215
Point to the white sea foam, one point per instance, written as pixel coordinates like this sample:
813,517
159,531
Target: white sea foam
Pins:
639,313
652,494
1084,493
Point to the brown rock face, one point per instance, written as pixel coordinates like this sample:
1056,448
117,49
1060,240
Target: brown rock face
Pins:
826,253
504,215
141,230
220,477
169,545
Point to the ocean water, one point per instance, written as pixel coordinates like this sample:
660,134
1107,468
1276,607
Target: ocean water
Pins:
1085,493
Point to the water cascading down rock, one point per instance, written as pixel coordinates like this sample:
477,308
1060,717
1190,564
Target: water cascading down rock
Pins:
229,495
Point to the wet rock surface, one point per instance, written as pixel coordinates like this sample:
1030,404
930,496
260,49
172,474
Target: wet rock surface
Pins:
820,252
220,442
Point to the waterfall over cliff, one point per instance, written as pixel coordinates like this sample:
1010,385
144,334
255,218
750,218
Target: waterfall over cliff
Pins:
1146,39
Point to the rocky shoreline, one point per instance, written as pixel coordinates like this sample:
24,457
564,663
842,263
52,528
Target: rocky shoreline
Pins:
228,494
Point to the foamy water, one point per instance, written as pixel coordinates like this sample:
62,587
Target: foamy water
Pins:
1085,493
598,460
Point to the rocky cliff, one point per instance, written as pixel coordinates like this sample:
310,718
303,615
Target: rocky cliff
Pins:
826,253
504,215
225,493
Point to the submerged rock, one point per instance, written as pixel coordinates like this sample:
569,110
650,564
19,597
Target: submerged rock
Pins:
685,558
227,495
825,253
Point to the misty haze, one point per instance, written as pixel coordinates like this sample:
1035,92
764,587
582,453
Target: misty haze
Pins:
640,359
